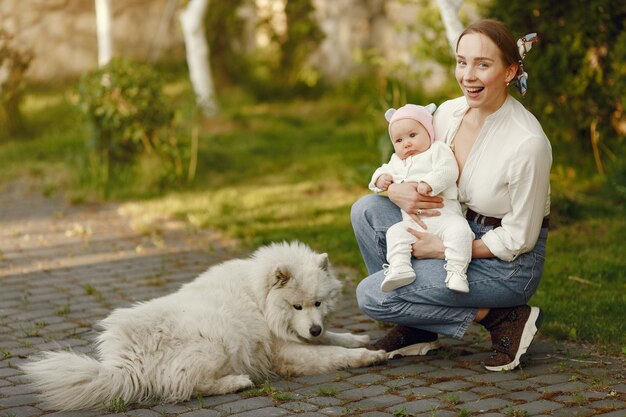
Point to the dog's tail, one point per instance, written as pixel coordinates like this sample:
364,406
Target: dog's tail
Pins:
70,381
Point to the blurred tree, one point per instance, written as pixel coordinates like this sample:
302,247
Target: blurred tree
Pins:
577,72
226,32
103,29
303,35
449,10
13,65
198,58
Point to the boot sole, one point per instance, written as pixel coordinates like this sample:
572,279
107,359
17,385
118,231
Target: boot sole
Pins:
417,349
528,334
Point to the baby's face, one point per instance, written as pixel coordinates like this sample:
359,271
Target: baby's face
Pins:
409,138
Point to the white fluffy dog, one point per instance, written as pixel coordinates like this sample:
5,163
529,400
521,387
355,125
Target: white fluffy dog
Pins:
242,320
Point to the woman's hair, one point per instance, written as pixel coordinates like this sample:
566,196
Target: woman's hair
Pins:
500,34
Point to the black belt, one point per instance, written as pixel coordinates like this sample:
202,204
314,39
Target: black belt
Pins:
494,221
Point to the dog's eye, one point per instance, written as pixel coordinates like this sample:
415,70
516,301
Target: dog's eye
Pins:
297,306
318,303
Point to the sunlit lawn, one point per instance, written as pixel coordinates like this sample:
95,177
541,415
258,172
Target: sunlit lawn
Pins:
291,170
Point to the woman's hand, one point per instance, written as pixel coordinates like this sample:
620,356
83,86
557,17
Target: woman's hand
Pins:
427,246
406,197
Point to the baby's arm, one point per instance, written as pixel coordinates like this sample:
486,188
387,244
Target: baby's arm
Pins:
384,181
445,170
424,189
383,176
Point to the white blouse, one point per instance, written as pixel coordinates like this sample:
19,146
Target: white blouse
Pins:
506,175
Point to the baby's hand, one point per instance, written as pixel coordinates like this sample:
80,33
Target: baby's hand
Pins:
384,181
424,189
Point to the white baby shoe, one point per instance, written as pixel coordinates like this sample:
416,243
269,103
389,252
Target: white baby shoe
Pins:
457,281
396,277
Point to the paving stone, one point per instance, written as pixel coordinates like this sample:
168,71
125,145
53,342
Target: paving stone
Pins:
264,412
334,411
200,413
418,406
18,400
616,413
378,401
565,387
358,393
437,413
550,379
299,406
143,413
452,385
411,370
487,404
324,401
326,387
608,403
244,405
423,392
21,412
541,406
526,396
487,390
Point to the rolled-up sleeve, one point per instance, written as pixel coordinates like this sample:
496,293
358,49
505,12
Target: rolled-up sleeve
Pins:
529,188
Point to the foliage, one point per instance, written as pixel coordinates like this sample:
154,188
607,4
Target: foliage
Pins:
223,28
132,121
302,37
278,69
577,84
13,65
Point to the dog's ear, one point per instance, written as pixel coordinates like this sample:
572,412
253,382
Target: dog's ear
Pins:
282,275
322,261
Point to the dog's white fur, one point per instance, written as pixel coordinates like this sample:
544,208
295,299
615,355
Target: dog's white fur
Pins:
242,320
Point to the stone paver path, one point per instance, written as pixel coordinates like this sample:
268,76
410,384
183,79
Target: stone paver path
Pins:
64,267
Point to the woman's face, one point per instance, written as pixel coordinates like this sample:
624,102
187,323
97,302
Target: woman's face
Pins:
482,73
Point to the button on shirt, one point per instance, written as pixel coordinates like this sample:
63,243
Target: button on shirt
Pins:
506,175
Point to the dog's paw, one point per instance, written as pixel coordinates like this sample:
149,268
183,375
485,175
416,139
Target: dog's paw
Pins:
361,340
372,357
381,356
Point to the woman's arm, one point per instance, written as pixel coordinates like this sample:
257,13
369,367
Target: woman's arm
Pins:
429,246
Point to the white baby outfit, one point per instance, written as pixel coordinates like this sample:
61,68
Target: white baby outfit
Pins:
438,168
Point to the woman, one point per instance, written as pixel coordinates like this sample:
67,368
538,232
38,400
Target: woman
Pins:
504,160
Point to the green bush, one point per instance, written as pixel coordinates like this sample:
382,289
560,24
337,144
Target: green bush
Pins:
577,84
132,124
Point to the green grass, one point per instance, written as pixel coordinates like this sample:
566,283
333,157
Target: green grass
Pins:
291,170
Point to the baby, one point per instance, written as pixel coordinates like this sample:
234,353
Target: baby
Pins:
419,158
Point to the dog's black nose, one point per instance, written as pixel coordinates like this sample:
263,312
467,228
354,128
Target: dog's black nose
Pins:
315,330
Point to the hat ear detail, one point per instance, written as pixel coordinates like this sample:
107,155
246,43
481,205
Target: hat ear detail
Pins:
389,114
431,108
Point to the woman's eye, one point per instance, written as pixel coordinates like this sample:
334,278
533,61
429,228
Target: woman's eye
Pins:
297,306
317,304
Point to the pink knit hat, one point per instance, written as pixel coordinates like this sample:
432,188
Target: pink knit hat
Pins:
421,114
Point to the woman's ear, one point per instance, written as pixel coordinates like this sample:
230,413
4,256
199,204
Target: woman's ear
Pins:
511,72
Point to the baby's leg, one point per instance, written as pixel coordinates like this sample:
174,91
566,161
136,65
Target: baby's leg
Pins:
400,271
457,238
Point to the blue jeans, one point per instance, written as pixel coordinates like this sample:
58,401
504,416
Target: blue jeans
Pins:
426,303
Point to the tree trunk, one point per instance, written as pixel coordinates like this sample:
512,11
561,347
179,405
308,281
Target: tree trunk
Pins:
449,10
197,50
105,37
